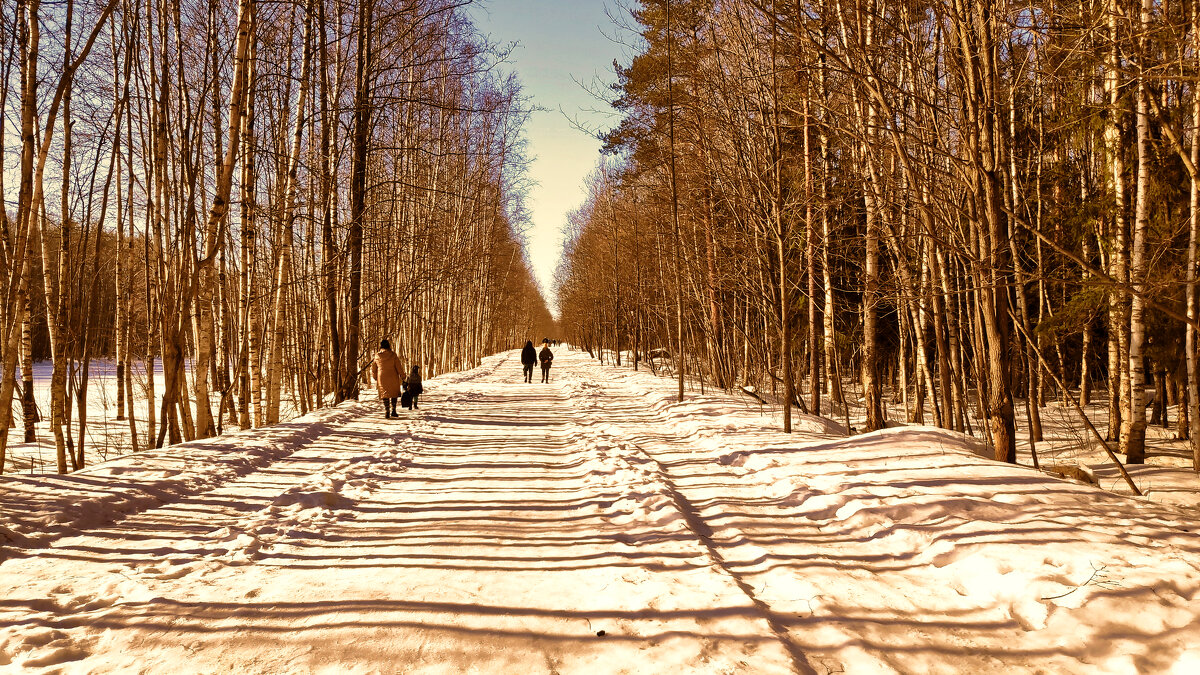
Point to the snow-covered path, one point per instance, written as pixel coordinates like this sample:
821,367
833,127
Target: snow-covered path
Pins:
590,526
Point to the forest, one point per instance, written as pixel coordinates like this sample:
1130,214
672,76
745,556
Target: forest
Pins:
250,195
974,208
978,206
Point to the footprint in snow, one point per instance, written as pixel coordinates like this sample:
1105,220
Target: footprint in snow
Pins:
88,602
45,647
1029,613
177,572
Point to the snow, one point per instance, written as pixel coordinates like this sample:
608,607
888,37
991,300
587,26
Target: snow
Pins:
593,524
1167,477
106,436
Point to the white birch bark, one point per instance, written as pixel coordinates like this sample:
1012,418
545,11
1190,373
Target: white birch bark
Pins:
1193,371
1133,436
279,324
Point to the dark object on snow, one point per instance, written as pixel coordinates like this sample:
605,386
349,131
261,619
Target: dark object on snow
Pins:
412,389
528,354
528,358
600,633
546,357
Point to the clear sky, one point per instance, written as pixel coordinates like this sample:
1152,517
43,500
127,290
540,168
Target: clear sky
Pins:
560,44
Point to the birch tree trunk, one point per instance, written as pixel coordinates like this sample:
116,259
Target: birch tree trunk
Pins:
782,234
358,187
329,256
278,328
976,28
58,381
679,355
1117,321
872,389
252,321
1193,372
1133,437
29,409
214,232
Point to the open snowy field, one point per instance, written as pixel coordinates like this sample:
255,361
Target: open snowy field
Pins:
1166,477
105,437
590,525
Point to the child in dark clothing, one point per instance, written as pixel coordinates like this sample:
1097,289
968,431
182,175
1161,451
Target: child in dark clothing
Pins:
413,388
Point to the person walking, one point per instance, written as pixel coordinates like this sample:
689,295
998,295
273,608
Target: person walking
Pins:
545,356
528,358
413,387
385,370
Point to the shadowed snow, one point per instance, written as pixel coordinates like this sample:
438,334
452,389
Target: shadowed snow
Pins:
590,525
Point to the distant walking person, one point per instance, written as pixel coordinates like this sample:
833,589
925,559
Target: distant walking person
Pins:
412,389
545,356
385,370
528,358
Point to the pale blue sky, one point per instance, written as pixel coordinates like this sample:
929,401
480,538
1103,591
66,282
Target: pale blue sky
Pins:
561,43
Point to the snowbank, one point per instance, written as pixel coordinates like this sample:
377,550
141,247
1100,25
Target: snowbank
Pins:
594,524
37,509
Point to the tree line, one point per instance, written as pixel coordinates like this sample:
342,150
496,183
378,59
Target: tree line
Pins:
981,205
251,194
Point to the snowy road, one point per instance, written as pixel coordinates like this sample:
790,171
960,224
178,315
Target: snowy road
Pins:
592,526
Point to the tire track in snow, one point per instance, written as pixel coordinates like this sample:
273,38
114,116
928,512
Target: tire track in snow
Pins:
304,510
39,510
845,540
515,538
704,533
660,501
656,425
297,506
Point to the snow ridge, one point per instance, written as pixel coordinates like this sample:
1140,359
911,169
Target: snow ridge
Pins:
850,540
37,510
596,524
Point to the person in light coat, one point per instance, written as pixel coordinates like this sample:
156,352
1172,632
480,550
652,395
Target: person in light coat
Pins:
388,377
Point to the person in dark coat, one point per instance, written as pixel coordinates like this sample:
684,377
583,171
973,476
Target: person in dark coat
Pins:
528,358
413,388
386,372
545,356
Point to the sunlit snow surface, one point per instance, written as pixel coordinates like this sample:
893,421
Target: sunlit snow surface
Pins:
504,526
106,436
